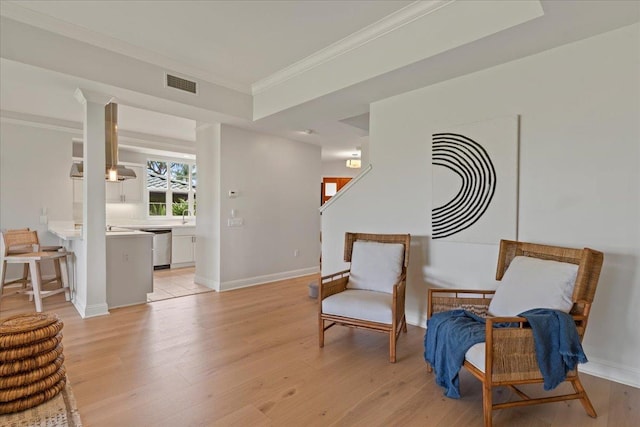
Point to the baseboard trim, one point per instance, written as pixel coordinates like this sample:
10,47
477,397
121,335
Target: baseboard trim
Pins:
209,283
260,280
611,371
416,320
596,367
93,310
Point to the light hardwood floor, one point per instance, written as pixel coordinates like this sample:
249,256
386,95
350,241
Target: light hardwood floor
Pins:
250,357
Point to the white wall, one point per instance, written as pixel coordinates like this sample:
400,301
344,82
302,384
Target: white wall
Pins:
579,182
208,243
34,174
278,200
337,168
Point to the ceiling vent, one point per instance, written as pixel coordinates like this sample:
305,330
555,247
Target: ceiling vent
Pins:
182,84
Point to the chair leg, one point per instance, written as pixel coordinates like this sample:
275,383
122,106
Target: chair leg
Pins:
487,404
3,273
58,270
392,346
321,331
34,267
25,275
404,324
586,403
64,277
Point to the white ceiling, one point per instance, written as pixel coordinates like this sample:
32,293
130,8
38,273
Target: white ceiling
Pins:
238,43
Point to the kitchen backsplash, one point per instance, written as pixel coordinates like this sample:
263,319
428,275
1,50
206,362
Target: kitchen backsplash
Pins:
116,212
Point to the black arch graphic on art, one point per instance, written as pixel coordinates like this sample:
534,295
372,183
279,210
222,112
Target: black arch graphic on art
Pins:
471,162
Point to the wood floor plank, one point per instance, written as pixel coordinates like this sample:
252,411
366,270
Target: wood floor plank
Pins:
247,416
250,357
624,405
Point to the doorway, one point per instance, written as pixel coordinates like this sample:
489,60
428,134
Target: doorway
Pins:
330,186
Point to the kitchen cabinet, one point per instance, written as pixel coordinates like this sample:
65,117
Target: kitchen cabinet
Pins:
129,268
183,246
127,191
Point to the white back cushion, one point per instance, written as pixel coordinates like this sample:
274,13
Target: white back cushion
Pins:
375,266
534,283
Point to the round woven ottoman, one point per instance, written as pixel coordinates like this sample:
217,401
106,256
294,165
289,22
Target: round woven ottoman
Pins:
31,361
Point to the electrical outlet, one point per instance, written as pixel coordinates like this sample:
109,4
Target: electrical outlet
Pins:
296,252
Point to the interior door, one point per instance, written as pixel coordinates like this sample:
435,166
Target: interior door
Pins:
331,185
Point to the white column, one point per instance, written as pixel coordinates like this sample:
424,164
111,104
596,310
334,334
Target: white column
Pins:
91,294
208,205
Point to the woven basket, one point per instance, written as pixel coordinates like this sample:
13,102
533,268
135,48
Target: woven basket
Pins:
25,378
32,400
26,365
17,339
26,322
15,393
17,353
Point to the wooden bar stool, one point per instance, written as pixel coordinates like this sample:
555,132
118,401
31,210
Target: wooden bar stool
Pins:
23,247
24,280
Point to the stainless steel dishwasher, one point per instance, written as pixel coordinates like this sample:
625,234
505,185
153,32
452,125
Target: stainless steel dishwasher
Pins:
161,248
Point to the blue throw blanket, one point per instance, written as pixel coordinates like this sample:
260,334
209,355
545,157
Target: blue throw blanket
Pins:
451,334
558,348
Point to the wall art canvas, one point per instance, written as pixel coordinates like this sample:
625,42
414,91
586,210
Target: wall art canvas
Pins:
475,181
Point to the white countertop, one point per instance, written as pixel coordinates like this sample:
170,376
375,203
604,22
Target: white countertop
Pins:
156,226
66,230
123,232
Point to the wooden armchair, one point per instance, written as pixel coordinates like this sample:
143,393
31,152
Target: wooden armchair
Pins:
508,358
371,293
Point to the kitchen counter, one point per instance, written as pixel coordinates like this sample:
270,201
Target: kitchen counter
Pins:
157,225
125,232
67,231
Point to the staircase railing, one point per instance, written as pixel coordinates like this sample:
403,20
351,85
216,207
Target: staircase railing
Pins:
346,188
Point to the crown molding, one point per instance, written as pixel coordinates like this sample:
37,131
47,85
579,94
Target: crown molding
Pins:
369,33
31,120
13,10
85,95
163,143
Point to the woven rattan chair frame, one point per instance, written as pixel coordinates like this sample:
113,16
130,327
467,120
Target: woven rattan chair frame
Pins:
510,357
337,282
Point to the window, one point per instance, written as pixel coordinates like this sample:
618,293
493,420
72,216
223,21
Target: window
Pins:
172,188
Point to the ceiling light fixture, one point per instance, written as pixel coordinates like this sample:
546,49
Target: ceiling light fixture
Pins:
354,163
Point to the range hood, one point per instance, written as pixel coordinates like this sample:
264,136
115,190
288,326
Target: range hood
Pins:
113,171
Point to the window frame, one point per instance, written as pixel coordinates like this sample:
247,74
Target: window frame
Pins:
191,192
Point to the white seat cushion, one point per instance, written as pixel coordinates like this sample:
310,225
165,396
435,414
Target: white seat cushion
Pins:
534,283
475,355
375,266
359,304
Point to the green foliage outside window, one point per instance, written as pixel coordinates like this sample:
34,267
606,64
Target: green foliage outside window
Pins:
180,207
157,209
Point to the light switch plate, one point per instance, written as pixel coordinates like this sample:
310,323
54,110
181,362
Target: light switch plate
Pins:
235,222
